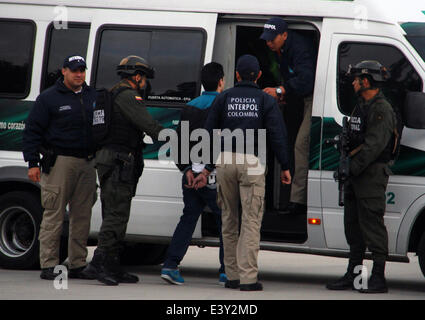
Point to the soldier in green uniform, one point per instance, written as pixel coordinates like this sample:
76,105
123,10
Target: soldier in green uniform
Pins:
372,140
119,165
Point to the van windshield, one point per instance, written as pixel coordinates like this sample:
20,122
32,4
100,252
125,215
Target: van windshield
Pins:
415,34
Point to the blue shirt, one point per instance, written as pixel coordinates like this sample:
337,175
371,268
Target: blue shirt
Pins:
205,100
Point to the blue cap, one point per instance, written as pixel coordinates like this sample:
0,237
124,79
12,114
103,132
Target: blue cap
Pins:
74,62
248,65
272,28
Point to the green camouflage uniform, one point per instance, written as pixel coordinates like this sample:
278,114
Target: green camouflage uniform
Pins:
365,192
117,184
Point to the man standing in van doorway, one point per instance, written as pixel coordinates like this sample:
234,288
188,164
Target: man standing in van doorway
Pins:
241,176
296,58
59,127
373,138
119,164
195,197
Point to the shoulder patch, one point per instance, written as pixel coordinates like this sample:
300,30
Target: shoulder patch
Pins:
138,98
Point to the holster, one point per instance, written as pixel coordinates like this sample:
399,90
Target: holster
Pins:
125,168
48,159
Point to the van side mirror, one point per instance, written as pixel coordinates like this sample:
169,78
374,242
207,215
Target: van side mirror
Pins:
414,110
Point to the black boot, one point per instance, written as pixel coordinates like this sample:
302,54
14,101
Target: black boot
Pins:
377,282
346,282
96,269
114,269
48,274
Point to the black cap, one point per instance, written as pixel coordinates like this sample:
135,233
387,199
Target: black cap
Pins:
272,28
248,65
74,62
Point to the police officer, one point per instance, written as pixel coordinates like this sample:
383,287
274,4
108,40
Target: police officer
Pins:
119,165
241,176
59,127
296,57
372,140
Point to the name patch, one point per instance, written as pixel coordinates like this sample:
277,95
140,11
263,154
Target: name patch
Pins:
98,117
242,107
64,108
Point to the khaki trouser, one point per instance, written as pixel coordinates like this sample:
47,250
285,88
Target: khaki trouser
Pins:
301,154
71,181
236,181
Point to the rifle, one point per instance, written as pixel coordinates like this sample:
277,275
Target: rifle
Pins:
341,143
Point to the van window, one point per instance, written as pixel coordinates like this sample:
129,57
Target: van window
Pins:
403,76
176,55
61,43
16,55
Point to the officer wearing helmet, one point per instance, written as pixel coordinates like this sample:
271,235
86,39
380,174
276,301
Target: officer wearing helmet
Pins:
119,164
372,140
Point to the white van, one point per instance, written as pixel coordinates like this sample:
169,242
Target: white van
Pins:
178,37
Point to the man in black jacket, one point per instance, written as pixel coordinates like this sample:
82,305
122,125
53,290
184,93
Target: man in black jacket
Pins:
59,127
297,60
195,199
248,113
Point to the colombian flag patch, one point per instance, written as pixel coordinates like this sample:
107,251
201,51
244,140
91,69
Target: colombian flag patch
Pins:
138,98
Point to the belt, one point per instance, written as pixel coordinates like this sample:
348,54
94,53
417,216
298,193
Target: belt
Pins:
77,153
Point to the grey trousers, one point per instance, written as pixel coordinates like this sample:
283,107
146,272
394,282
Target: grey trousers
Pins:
71,181
235,181
301,154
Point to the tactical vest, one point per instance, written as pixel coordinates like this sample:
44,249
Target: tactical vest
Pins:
357,129
123,135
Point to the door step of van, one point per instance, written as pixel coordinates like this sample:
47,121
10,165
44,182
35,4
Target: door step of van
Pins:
284,237
284,226
287,212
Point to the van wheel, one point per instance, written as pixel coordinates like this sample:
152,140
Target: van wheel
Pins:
143,254
421,253
20,218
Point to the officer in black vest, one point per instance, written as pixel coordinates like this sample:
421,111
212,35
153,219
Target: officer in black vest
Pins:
119,165
372,140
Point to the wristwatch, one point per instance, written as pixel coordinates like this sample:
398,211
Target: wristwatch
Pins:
279,92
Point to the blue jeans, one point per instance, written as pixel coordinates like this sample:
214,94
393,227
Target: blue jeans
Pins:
194,204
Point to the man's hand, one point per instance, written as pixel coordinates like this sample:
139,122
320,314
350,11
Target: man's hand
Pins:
189,178
272,91
201,180
285,177
34,174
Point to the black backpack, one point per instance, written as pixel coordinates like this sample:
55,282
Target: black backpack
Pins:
102,113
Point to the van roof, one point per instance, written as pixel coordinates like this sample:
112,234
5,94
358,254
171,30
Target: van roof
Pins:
389,11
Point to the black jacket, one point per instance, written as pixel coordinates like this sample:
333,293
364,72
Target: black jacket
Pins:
298,64
245,107
57,121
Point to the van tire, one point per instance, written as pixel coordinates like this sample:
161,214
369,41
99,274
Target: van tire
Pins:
20,218
143,254
421,253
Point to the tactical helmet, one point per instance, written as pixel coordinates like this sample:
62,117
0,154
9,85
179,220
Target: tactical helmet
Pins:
131,65
371,68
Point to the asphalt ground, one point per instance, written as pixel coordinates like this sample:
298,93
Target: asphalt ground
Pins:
285,276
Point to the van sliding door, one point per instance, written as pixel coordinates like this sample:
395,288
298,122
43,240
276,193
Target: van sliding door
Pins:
236,36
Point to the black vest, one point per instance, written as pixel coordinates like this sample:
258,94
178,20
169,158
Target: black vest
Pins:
123,135
357,129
